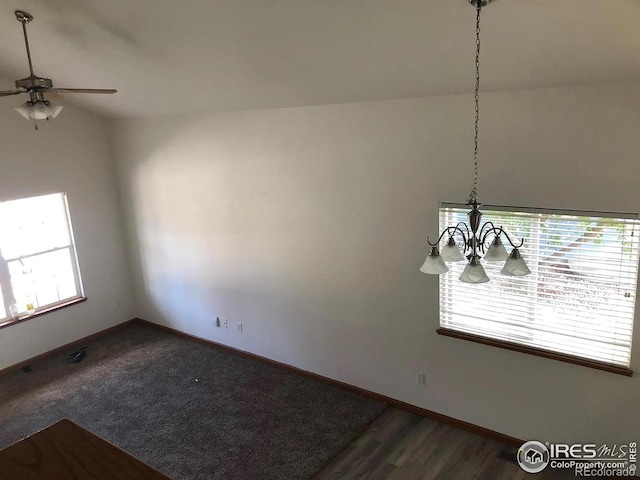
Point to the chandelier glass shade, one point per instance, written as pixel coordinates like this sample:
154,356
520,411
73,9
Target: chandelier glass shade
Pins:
515,265
474,273
475,240
434,263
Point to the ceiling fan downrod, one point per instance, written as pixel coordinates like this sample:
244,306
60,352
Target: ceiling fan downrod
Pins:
24,18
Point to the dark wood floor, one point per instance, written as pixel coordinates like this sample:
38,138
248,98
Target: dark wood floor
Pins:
402,446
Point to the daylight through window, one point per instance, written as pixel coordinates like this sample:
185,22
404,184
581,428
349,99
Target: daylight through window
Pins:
579,299
38,264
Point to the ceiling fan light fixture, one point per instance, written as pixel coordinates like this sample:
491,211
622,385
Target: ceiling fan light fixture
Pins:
39,110
24,110
54,109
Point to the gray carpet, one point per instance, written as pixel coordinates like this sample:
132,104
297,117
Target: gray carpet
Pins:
137,388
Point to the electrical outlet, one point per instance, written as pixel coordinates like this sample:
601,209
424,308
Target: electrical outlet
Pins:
225,323
421,379
240,326
218,322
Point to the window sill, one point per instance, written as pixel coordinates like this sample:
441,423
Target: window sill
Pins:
44,311
536,351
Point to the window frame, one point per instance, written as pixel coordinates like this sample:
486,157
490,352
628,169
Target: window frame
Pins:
7,286
7,322
533,350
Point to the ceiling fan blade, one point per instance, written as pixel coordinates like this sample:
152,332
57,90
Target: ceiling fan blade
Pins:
6,93
83,90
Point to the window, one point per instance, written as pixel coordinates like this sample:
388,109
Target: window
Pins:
579,299
38,264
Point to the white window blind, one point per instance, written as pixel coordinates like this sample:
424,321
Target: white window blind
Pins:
579,299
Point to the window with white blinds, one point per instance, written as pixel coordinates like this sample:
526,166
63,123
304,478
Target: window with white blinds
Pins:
579,299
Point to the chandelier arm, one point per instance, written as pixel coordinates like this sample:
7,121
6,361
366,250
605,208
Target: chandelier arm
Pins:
511,241
447,231
492,229
465,238
482,238
466,228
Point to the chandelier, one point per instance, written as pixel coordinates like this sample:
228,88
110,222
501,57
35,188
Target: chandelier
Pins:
477,241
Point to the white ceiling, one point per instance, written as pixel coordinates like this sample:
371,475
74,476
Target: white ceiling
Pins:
168,56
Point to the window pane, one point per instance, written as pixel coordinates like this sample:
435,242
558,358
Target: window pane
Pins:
33,225
43,279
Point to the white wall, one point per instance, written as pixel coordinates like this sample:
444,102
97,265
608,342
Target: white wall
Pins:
308,225
70,154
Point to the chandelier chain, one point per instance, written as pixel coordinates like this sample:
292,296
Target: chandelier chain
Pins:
473,196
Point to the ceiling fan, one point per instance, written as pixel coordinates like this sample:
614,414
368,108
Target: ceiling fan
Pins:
37,107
